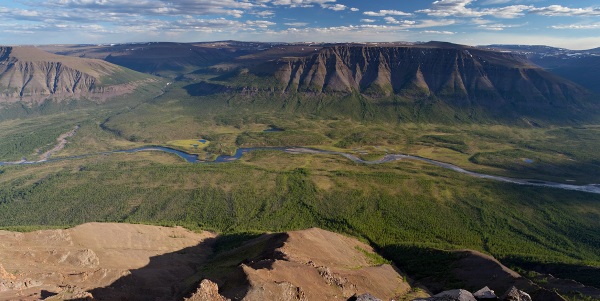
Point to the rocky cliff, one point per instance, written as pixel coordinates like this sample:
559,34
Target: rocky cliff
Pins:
32,75
458,75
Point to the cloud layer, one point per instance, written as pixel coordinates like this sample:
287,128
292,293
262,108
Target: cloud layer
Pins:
98,21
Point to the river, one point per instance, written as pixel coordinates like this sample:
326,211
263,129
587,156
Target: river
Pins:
591,188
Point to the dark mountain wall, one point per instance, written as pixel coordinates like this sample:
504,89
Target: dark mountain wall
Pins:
459,75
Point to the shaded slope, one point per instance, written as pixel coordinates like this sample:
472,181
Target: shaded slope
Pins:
163,59
138,262
311,264
69,262
579,66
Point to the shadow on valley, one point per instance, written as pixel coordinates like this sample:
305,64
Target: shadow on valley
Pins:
176,275
205,89
441,270
587,275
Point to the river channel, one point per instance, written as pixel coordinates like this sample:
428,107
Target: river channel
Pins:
191,158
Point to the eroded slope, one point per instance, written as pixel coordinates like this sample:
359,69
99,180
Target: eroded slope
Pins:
32,75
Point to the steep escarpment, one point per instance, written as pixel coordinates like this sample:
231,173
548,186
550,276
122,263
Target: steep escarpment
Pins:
31,75
461,76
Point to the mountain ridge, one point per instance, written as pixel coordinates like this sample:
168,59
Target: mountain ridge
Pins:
439,71
32,75
466,83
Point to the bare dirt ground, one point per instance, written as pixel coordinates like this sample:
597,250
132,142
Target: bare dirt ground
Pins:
67,263
311,264
111,261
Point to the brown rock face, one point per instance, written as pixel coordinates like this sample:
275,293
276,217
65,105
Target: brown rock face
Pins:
110,261
208,291
311,264
32,75
460,75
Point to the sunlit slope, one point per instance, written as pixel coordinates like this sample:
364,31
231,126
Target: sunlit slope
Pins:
31,75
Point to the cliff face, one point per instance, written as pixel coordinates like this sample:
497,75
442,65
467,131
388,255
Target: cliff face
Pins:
461,75
31,75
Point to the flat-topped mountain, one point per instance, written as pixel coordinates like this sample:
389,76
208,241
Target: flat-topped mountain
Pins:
420,81
31,75
460,75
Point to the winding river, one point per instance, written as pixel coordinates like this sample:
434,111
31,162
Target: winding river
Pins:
591,188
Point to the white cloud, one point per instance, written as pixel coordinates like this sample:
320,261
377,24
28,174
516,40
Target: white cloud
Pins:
264,13
385,12
458,8
367,20
260,23
150,7
577,26
301,3
235,13
437,32
296,24
491,2
337,7
392,20
354,9
494,27
558,10
495,2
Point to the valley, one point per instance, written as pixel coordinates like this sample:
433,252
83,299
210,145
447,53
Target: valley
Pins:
453,149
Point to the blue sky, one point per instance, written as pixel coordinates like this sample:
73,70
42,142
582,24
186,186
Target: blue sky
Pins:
570,24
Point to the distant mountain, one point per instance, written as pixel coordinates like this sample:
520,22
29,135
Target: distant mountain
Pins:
163,59
408,81
465,78
30,75
579,66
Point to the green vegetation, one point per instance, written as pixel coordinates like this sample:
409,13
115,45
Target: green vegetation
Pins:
374,258
402,208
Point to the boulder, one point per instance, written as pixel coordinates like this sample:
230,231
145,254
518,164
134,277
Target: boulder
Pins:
485,294
207,291
514,294
452,295
364,297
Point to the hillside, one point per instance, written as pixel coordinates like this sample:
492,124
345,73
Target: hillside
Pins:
137,262
31,75
163,59
580,66
465,78
115,261
434,81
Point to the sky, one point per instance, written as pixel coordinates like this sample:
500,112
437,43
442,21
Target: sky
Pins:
560,23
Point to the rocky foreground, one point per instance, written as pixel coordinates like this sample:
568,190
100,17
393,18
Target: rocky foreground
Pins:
107,261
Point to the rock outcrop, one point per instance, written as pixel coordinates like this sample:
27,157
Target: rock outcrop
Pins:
485,294
207,291
464,78
311,264
455,72
93,259
453,295
514,294
99,261
32,75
